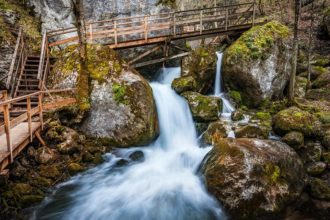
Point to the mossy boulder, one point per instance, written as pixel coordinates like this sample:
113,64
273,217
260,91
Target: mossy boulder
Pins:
258,63
75,168
324,116
49,171
45,155
252,131
198,70
295,119
326,139
294,139
316,168
300,87
320,189
311,152
237,115
252,178
215,129
322,94
322,81
22,189
203,108
184,83
123,112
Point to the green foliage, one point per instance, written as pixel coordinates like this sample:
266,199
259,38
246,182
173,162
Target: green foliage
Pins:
29,23
119,93
236,96
254,43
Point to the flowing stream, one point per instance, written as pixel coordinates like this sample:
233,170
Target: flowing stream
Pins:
165,186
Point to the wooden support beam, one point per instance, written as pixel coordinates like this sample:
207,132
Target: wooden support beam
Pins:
28,100
144,54
160,60
38,136
7,130
40,108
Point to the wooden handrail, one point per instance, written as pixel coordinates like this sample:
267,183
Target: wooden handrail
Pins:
115,30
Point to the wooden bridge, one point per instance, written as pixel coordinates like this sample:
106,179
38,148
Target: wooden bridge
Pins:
22,108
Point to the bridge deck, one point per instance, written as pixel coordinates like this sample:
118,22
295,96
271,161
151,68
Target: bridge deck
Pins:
20,137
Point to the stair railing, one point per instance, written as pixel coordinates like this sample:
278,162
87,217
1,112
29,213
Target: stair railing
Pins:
44,65
17,64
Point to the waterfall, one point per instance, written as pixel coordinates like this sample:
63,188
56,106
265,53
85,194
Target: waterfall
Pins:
227,107
164,186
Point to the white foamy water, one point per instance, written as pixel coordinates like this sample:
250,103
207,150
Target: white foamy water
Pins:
165,186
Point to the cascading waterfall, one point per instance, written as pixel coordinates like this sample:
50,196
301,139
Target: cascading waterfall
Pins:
227,108
164,186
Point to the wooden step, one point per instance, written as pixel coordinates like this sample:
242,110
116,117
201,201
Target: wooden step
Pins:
29,80
25,104
31,70
30,75
27,91
21,86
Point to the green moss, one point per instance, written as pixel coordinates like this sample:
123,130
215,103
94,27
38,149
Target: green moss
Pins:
236,96
273,172
254,43
29,23
263,116
324,117
320,69
169,3
119,93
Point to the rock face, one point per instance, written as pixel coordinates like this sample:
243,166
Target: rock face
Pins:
123,110
197,71
203,108
251,177
258,63
295,119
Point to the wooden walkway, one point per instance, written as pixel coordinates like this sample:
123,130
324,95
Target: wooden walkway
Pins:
151,29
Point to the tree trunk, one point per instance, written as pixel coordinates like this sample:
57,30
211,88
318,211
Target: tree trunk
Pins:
310,43
83,81
295,51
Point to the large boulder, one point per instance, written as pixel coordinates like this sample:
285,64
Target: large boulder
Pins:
322,94
251,177
258,63
123,112
203,108
322,81
295,119
198,70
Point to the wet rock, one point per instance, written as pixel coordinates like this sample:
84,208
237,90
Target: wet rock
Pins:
258,63
300,87
28,200
22,188
326,140
215,128
237,115
44,155
252,178
252,131
49,171
311,152
203,108
87,157
184,83
98,159
294,139
316,168
320,189
201,127
69,144
122,162
295,119
137,156
40,182
75,168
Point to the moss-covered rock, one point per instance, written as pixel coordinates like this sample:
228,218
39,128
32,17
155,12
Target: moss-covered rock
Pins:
326,139
235,96
322,81
316,168
123,112
252,131
198,70
294,139
49,171
252,178
300,87
311,152
295,119
326,157
258,63
237,115
184,83
215,129
319,94
75,168
203,108
45,155
320,189
324,117
22,189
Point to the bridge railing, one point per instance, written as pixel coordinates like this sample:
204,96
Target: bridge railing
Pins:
28,115
144,28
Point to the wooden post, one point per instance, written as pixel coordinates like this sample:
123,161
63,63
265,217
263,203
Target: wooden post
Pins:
226,21
253,15
28,100
12,65
146,28
40,110
7,130
91,32
201,22
115,27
